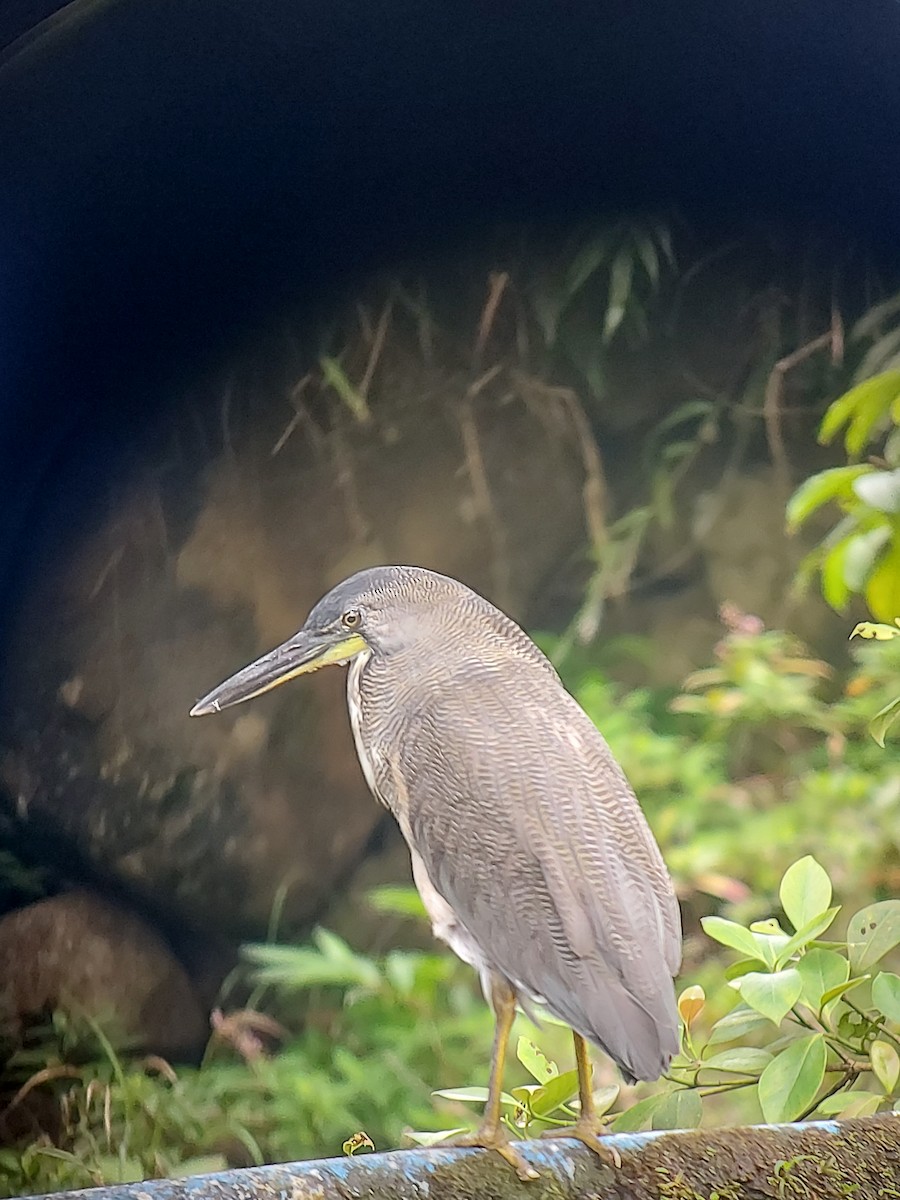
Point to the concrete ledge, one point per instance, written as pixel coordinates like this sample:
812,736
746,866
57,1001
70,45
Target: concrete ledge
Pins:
854,1158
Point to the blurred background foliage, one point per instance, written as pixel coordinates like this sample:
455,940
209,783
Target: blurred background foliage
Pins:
756,758
761,756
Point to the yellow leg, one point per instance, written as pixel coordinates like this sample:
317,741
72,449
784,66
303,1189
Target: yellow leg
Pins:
585,1069
587,1128
503,1002
490,1134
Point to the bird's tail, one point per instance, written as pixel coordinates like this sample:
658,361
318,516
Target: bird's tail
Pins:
641,1040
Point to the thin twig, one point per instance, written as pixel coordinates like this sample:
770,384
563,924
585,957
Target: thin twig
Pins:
772,404
418,307
301,417
861,1012
476,388
346,481
809,1021
497,281
286,433
365,323
481,490
377,346
716,1089
112,562
846,1076
47,1075
594,490
837,336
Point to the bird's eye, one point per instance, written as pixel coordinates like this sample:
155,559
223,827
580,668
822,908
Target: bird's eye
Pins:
351,618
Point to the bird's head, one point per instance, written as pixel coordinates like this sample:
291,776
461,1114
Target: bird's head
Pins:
373,612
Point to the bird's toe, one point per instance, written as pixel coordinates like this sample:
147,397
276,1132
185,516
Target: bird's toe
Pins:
496,1140
590,1133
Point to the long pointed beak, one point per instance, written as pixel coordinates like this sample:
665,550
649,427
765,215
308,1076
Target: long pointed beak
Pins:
300,655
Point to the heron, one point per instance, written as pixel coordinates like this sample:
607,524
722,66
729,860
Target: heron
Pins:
530,851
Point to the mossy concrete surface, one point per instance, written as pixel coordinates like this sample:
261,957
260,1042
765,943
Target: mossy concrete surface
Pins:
832,1159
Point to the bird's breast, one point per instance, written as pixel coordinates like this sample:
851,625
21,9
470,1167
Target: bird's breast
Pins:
366,750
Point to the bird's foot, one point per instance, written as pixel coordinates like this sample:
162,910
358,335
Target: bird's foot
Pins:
493,1138
589,1131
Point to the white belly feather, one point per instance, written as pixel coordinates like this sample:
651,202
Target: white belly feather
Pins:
444,923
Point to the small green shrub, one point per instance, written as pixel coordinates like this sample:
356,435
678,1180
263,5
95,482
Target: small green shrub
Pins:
815,1029
860,556
765,748
886,716
368,1041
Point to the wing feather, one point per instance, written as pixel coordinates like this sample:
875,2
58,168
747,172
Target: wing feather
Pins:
529,830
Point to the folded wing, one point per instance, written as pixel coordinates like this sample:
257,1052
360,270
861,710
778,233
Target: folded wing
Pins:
529,830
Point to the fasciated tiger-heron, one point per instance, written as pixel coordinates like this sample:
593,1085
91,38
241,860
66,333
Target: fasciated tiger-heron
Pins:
529,849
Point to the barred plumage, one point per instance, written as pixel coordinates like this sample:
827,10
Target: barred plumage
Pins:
531,853
523,822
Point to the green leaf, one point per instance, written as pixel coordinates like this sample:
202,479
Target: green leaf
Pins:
664,238
605,1098
871,322
836,483
886,995
863,409
639,1115
864,1108
400,971
873,932
332,963
729,933
471,1095
771,945
883,720
333,374
589,259
771,995
848,1104
742,1060
681,1109
743,966
648,255
883,584
558,1090
535,1062
427,1138
873,629
770,927
835,589
819,971
620,276
805,891
736,1024
885,1064
691,410
812,930
396,900
880,490
788,1085
879,355
841,989
861,553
